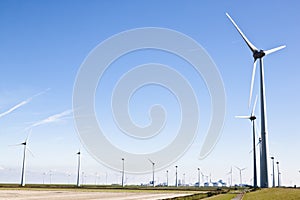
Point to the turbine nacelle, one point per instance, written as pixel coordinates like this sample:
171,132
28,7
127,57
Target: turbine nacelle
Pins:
258,54
252,118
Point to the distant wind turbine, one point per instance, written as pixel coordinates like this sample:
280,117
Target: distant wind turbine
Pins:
259,54
199,172
252,118
153,168
230,172
241,181
25,143
78,169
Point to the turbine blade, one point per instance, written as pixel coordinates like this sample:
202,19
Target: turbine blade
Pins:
30,151
243,117
250,45
257,131
252,82
267,52
13,145
151,161
230,171
30,130
254,106
258,142
250,151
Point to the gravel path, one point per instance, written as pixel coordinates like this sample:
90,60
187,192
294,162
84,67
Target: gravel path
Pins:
238,196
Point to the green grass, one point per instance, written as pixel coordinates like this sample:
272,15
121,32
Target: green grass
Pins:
203,195
223,197
190,197
274,194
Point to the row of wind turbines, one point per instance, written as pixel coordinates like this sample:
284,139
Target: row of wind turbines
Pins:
258,55
25,149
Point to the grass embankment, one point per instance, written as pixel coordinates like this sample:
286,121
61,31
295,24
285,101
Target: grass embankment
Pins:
274,194
222,197
216,195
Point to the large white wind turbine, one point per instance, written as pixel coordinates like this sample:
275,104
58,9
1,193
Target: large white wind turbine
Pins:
259,54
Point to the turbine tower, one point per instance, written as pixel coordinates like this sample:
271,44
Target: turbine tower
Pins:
24,158
123,172
199,171
259,54
78,169
241,181
252,118
153,167
230,172
23,165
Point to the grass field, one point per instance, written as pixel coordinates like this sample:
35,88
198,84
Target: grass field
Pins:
172,193
222,197
274,194
68,192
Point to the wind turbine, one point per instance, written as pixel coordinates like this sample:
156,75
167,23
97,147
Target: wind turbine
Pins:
199,171
78,169
153,167
241,181
123,171
203,178
259,54
167,178
24,158
252,118
176,179
230,172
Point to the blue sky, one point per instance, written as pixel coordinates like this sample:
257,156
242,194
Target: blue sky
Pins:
43,44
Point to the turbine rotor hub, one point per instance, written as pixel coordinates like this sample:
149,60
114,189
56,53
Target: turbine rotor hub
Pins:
258,54
252,118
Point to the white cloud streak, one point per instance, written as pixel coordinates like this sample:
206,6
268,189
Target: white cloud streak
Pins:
52,118
21,104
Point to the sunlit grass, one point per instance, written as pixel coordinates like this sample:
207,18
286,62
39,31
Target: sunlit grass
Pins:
274,194
222,197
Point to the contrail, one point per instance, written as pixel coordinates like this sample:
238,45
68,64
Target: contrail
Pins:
22,103
51,119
